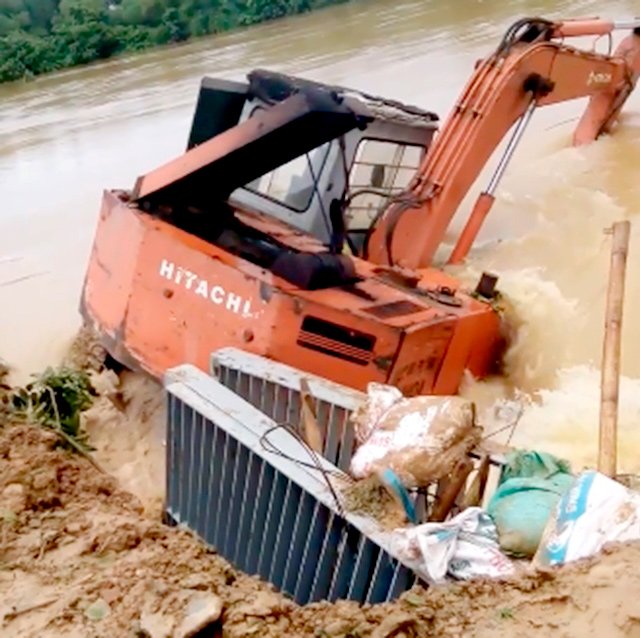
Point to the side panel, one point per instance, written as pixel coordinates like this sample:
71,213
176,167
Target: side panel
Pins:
474,347
112,267
187,299
211,171
161,297
421,355
184,303
265,513
219,106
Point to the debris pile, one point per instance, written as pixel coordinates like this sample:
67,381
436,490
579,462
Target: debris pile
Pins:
424,442
81,556
370,497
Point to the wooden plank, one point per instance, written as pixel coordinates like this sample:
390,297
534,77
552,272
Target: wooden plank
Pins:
609,390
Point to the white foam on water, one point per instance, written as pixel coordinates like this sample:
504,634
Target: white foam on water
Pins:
563,420
553,266
566,418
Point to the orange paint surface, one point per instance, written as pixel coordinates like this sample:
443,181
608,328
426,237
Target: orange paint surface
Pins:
161,297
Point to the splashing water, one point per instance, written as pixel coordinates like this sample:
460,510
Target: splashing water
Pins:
554,277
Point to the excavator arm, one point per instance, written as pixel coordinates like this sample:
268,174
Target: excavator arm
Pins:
532,67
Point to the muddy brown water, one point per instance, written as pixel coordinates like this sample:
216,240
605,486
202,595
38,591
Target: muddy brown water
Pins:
65,137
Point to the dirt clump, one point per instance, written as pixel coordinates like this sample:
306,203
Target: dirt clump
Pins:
86,352
78,557
126,426
369,497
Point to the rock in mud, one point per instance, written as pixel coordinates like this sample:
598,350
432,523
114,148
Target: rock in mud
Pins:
338,627
14,498
106,383
264,604
202,611
155,625
196,581
86,351
392,625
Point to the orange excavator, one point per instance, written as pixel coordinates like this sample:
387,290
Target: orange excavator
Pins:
303,220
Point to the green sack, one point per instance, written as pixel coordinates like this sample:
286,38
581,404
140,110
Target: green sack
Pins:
530,487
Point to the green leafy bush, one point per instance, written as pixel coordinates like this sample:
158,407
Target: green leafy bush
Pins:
56,399
39,36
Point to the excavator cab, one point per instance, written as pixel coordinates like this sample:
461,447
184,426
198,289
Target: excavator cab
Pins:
348,179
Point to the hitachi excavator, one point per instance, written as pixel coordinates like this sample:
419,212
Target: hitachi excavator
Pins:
303,220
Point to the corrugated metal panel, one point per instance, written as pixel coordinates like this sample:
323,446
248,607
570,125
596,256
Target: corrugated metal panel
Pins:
274,388
267,514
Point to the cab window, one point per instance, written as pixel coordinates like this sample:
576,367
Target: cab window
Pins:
383,167
293,183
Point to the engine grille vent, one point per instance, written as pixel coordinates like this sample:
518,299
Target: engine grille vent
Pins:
336,340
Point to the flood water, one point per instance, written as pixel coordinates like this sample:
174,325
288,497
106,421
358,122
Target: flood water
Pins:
65,137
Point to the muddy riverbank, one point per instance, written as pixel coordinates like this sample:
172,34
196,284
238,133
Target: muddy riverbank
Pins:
79,556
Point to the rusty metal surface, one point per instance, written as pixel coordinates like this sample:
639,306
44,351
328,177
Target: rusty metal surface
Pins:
160,296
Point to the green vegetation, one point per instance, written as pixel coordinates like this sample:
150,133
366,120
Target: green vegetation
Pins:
506,613
55,400
39,36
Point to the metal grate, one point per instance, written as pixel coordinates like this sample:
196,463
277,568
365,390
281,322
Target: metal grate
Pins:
336,340
274,389
266,514
395,309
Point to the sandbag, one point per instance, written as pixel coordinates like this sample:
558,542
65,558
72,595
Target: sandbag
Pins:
530,487
464,548
380,398
596,510
420,438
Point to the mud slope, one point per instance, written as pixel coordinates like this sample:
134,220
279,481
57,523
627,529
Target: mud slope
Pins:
79,557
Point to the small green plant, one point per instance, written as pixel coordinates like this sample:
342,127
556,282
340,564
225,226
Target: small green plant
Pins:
506,613
55,399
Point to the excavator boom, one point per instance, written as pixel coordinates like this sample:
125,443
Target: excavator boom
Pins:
529,69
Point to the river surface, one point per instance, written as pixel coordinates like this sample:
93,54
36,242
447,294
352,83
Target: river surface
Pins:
65,137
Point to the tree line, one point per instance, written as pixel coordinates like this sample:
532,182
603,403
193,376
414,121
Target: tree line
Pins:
39,36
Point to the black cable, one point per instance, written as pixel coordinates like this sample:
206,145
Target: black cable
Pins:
345,201
345,167
524,30
315,457
405,200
